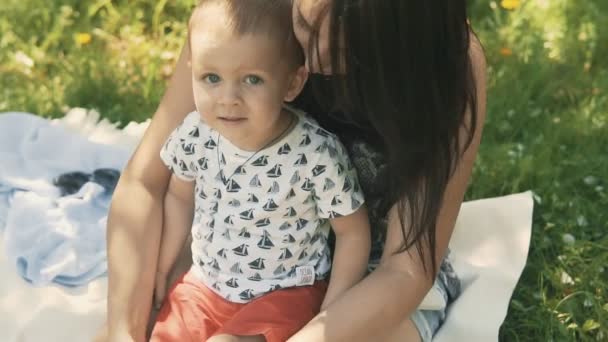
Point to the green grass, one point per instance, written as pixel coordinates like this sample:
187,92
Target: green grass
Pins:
546,126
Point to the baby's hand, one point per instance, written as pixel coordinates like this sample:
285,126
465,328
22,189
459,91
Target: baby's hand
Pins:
160,289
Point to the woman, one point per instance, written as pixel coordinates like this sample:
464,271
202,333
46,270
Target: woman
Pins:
408,101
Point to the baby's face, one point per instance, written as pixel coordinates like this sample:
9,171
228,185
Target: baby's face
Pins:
239,82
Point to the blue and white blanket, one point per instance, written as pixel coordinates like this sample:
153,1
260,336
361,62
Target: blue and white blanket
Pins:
48,237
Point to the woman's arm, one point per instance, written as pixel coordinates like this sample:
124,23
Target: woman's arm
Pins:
353,243
135,219
383,300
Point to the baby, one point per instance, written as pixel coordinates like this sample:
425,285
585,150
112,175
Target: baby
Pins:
258,185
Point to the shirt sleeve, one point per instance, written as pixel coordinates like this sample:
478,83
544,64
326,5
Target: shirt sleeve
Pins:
180,151
336,185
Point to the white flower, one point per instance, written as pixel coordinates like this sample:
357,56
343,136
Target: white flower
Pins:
568,239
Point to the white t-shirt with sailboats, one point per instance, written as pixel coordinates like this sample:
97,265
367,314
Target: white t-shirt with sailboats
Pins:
261,220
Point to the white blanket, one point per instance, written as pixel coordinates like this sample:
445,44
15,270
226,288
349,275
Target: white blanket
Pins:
489,250
51,238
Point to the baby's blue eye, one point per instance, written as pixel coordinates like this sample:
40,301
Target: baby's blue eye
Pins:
253,80
211,78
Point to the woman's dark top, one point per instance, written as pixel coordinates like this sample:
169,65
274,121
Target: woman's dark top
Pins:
364,146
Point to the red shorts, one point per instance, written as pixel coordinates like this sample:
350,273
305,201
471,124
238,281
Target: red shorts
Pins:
193,312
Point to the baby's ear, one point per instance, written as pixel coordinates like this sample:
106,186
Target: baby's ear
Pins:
297,83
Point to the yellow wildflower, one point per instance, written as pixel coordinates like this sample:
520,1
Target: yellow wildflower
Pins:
510,4
505,51
82,38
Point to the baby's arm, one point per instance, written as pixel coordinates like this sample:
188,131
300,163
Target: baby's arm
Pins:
178,214
351,255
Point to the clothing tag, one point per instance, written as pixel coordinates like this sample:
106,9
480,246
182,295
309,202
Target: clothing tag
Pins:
305,275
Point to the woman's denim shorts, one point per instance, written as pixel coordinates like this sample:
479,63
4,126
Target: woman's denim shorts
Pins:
447,284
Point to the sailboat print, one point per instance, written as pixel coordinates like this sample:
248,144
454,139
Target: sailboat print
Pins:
213,208
329,184
241,250
236,268
306,240
315,238
257,264
322,132
220,177
265,242
275,172
213,263
183,166
354,203
255,277
217,193
291,194
319,169
285,226
303,255
289,239
188,148
244,233
308,185
203,163
301,223
216,286
255,182
307,126
228,220
233,186
336,201
295,178
274,188
222,160
211,224
202,194
274,287
222,253
262,223
286,254
234,203
301,161
209,236
279,270
340,168
193,133
333,152
232,283
321,148
246,295
305,141
247,215
226,235
198,236
291,212
210,144
261,161
347,185
285,149
270,205
240,170
252,199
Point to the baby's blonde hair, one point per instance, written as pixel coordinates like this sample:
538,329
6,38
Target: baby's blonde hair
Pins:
271,18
